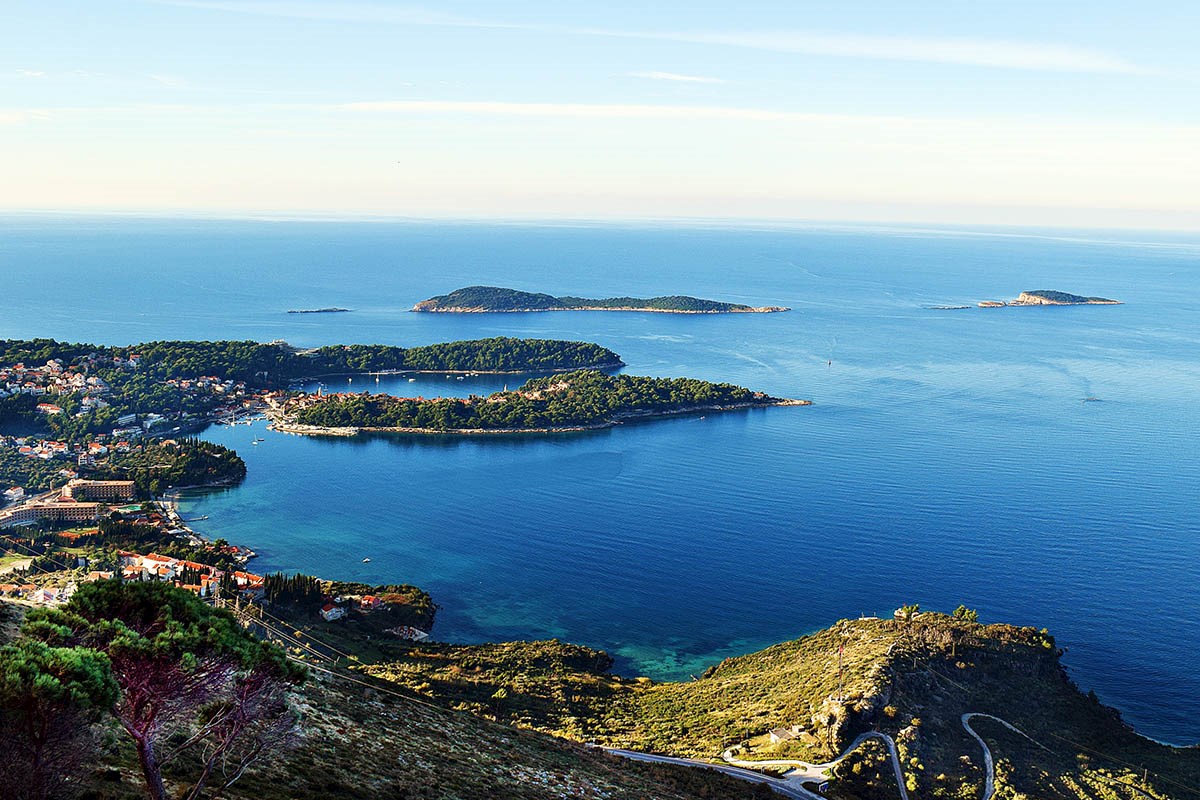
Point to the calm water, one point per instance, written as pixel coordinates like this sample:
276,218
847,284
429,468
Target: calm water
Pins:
949,457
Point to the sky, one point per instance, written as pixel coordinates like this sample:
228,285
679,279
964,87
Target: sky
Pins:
1081,114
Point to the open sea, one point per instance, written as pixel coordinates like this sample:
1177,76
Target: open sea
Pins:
949,456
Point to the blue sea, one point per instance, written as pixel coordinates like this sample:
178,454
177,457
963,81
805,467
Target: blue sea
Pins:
949,456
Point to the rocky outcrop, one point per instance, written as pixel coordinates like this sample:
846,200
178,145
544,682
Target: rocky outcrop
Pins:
1049,297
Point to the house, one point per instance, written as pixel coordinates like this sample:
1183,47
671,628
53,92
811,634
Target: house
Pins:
370,602
14,494
97,575
246,582
778,735
330,612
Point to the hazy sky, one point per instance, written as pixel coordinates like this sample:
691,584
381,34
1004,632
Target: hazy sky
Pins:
1014,111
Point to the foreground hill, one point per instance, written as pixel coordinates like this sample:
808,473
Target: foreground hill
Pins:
361,739
911,680
477,299
364,743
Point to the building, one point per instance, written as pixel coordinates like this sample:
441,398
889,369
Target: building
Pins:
61,510
778,735
330,612
14,494
80,489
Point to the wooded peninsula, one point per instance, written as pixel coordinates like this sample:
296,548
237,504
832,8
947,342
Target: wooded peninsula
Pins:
583,399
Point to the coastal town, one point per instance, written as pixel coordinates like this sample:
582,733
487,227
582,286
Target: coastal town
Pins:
52,543
92,451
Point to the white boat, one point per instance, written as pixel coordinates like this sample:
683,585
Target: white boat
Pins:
366,561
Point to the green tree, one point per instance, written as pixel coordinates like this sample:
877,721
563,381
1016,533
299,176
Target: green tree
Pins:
49,698
187,672
966,614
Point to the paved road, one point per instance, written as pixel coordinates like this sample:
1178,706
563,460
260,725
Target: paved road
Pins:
791,785
784,786
806,771
989,783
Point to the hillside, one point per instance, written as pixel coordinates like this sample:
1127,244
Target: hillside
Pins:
910,680
361,739
475,299
362,743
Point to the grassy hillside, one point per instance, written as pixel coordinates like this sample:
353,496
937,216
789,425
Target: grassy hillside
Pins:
910,679
359,743
362,739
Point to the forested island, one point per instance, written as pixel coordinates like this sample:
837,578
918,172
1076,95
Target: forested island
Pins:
1049,297
478,299
579,400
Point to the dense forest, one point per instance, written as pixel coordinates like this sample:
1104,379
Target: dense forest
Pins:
152,466
496,298
274,364
499,354
584,397
179,462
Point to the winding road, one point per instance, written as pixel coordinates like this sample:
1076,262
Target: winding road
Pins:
989,780
801,772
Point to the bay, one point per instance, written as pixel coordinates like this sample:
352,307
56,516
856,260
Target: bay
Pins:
949,456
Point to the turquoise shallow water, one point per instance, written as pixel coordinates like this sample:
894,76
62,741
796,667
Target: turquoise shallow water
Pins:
948,458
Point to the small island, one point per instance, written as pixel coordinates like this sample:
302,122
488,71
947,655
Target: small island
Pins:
575,401
318,310
482,299
1049,297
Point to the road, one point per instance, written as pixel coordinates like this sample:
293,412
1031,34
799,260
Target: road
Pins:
792,783
805,771
787,787
989,784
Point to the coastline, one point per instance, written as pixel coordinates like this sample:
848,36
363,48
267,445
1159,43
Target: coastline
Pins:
283,425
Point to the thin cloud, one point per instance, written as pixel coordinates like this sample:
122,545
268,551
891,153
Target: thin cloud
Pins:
1034,56
499,108
167,80
655,75
339,12
962,51
21,116
31,73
